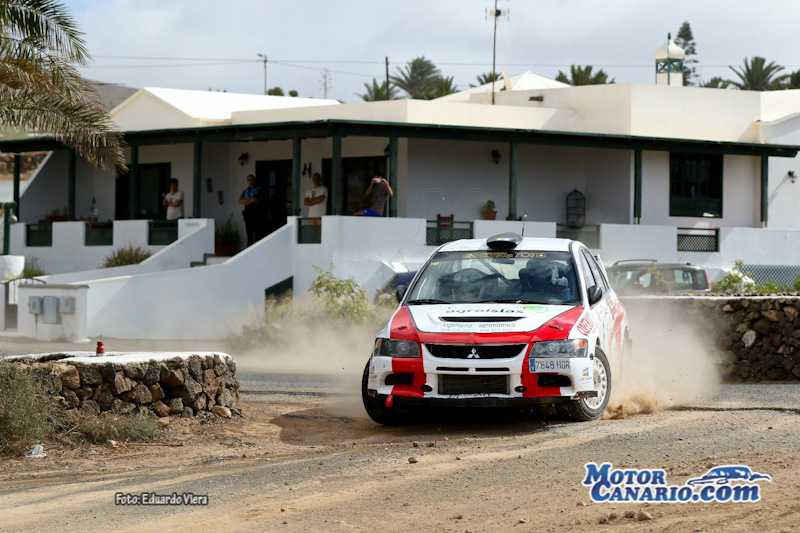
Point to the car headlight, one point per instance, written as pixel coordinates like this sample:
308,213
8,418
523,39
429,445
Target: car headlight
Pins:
565,348
393,348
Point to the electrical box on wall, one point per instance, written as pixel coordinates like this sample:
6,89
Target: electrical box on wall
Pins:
66,305
50,310
35,305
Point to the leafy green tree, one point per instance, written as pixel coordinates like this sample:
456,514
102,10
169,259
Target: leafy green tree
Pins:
579,75
792,80
758,75
40,87
441,86
376,92
715,83
416,78
293,93
275,91
486,77
685,40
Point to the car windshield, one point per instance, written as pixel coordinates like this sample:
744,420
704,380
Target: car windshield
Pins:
497,276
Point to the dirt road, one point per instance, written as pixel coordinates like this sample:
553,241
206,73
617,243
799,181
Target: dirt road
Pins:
306,459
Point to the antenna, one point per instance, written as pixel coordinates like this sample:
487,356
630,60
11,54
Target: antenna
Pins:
495,14
524,218
325,81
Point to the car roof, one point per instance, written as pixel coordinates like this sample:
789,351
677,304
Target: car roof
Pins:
528,243
641,264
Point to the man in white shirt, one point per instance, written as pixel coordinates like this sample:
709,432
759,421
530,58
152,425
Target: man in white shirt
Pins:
173,201
317,199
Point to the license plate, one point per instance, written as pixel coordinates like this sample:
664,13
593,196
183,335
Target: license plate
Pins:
549,365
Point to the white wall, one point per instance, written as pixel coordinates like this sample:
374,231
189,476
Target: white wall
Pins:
72,326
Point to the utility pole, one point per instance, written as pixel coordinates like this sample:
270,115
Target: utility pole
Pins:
326,81
387,77
264,61
495,14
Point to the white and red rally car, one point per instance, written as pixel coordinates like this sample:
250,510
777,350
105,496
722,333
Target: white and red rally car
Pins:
507,321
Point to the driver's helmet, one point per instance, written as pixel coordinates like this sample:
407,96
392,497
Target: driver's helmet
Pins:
542,271
466,287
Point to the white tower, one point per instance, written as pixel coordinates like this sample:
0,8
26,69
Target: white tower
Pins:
669,63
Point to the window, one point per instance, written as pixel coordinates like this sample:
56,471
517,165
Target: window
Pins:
695,185
587,272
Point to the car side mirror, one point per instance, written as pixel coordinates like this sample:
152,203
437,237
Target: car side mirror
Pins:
594,293
400,292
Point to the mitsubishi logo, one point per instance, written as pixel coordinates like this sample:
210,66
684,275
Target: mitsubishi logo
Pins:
473,354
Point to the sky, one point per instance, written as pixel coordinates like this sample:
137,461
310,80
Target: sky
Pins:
205,44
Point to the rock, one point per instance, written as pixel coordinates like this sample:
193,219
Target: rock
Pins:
613,516
70,378
84,392
603,519
772,315
116,403
629,514
762,326
412,460
124,408
156,392
743,368
221,411
790,312
195,368
581,504
108,371
742,327
188,412
103,396
134,371
174,379
139,394
90,375
727,308
175,405
121,384
71,398
164,420
90,407
152,374
161,410
796,371
225,398
641,516
211,384
749,338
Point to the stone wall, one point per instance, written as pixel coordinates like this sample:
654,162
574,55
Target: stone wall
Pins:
749,338
180,385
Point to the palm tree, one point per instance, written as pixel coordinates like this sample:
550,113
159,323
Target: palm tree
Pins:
377,92
416,77
487,77
583,76
40,88
441,86
715,83
792,80
758,75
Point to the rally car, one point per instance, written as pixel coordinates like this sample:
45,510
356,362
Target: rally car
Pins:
506,321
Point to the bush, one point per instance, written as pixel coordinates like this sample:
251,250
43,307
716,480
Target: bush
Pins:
734,281
227,233
27,412
101,428
32,268
343,298
126,256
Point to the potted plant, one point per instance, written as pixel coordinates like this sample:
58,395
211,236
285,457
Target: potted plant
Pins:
489,210
226,238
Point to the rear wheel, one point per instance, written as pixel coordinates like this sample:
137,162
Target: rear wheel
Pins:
586,409
375,405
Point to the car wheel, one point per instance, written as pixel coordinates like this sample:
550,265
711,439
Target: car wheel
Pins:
586,409
376,405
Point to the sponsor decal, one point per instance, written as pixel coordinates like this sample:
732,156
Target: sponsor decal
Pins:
586,324
727,483
484,310
535,308
473,354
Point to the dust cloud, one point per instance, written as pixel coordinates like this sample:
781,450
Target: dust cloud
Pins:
672,362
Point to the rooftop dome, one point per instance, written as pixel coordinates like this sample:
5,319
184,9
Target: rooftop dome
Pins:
670,50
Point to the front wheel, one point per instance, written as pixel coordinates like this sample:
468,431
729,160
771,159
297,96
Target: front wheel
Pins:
376,405
586,409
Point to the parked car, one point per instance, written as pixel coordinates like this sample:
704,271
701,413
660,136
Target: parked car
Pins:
648,276
505,321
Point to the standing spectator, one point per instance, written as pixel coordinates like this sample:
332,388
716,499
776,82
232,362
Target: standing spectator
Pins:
317,199
378,191
173,201
253,201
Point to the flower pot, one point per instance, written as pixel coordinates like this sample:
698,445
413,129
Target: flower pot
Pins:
225,250
490,215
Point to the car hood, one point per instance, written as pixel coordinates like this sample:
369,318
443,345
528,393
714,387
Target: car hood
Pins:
483,318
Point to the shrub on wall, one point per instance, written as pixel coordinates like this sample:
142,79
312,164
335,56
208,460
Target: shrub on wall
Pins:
126,256
32,268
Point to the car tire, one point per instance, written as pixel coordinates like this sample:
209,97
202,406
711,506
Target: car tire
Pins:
587,409
375,405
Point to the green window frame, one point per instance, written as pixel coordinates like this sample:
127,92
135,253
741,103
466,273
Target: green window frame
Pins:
704,173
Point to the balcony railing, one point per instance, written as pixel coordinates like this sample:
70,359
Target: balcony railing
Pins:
162,232
440,232
698,239
40,234
98,234
309,230
588,235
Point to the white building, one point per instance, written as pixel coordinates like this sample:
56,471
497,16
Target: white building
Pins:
666,172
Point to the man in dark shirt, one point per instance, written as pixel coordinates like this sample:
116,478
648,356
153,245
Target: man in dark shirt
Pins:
378,191
253,201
